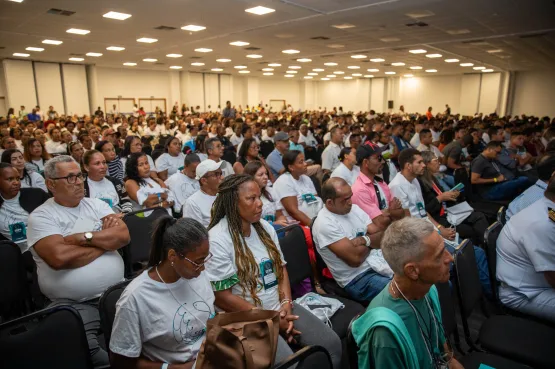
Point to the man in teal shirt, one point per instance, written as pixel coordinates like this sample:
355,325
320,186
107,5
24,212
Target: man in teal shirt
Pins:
402,327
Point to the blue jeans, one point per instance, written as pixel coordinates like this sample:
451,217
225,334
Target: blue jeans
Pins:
446,181
507,190
367,285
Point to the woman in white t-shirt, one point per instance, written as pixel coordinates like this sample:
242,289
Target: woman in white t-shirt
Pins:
172,160
347,169
161,316
76,151
271,207
35,155
144,191
132,145
248,270
28,178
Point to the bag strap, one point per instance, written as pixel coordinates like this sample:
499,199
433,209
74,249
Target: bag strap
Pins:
248,354
273,344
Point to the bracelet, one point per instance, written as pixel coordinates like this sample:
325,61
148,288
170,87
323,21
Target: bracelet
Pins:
495,179
285,301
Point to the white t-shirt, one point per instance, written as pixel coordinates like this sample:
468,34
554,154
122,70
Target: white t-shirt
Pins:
308,140
37,181
222,265
55,147
150,163
103,190
348,175
198,207
431,148
330,157
171,163
147,132
409,193
13,222
287,186
149,321
269,208
181,187
86,282
39,164
236,140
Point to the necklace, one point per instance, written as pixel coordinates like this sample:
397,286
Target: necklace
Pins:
179,303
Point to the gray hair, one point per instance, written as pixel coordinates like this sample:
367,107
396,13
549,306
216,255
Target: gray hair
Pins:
50,170
403,240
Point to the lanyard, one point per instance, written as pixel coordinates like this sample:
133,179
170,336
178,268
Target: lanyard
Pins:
496,167
381,202
438,191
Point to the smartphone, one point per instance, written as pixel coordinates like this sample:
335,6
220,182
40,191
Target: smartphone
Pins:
458,187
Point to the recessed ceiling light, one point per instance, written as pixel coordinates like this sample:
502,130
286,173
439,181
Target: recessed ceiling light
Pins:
30,48
274,65
343,26
466,64
16,1
254,56
290,51
487,70
451,60
494,51
390,39
330,64
116,15
150,60
289,75
76,59
23,55
356,74
304,60
244,71
431,56
318,70
223,60
115,48
479,68
368,76
52,42
416,67
174,55
96,55
129,64
348,77
389,72
338,72
312,74
324,79
373,70
240,67
193,28
260,10
308,77
335,46
147,40
331,76
203,50
458,31
197,64
359,56
353,67
216,69
431,70
294,67
398,64
377,60
78,31
268,74
267,69
176,67
408,75
239,43
418,51
291,72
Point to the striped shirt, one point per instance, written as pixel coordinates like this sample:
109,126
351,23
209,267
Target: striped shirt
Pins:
115,169
525,199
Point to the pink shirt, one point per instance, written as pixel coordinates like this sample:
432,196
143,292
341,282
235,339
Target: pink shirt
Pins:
364,195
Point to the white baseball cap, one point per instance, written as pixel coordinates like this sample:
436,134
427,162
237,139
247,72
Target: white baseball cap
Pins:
206,166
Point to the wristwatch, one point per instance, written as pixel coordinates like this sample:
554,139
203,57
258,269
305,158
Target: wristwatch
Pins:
88,237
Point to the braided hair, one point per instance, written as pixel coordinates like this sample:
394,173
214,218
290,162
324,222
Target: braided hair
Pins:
226,206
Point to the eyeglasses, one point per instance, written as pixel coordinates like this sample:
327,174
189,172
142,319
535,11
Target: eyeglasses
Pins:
72,178
198,266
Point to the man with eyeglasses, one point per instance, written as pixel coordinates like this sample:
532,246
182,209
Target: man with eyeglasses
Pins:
74,242
199,205
215,151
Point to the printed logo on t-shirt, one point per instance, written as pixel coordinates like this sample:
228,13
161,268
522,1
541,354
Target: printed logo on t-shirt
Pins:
187,328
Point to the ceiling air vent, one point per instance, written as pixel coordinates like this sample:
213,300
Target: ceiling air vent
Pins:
328,56
320,38
74,54
252,48
55,11
419,24
195,57
159,63
533,35
165,28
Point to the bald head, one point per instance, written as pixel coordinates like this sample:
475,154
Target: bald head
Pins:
336,194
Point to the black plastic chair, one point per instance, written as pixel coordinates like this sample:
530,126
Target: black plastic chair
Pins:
15,298
140,230
107,308
501,215
352,347
519,339
308,357
266,147
490,244
50,338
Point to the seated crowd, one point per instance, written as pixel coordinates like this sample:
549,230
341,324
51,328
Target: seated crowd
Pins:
382,199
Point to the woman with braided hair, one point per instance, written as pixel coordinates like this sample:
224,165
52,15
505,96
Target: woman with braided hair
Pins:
248,271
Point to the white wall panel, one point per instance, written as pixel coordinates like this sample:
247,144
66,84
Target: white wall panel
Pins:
533,93
377,95
195,90
49,86
239,92
419,93
174,90
470,88
3,82
226,89
277,89
352,95
211,91
75,89
489,92
20,84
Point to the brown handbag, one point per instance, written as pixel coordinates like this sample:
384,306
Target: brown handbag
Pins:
240,340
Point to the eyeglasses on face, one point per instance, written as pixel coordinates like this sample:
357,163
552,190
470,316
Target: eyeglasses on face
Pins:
72,178
197,266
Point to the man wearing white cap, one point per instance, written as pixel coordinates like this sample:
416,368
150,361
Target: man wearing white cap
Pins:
199,205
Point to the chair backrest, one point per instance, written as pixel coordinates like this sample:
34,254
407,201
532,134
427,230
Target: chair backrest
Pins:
14,290
490,237
352,347
140,230
317,185
266,147
295,252
107,308
320,263
467,279
51,338
501,215
308,357
461,176
447,308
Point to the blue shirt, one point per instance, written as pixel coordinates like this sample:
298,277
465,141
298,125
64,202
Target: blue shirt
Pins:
525,199
294,146
274,161
33,117
229,113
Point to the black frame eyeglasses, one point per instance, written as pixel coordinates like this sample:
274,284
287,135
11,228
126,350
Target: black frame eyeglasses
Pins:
72,178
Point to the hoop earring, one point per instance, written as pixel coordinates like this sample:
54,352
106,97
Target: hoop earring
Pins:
172,263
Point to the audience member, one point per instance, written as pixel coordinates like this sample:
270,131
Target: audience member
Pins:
275,159
115,166
330,156
171,161
35,155
347,169
29,179
215,151
55,145
199,205
134,145
183,184
75,150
